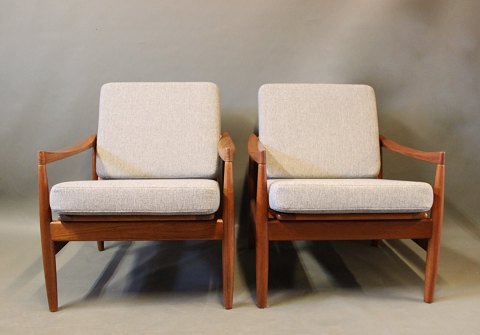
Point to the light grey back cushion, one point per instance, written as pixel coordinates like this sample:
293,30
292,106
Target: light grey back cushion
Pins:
158,130
319,130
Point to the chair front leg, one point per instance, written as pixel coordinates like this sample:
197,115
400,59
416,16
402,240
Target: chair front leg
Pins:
261,247
48,246
261,238
228,262
433,248
50,271
228,242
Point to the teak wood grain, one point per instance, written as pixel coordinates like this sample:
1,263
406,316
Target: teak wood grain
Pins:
135,231
348,230
228,240
431,157
423,228
56,234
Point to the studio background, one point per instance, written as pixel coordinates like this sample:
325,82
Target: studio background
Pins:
421,57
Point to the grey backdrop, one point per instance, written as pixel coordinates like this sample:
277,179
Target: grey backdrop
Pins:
422,58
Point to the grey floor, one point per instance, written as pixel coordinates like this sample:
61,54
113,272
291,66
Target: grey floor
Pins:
175,288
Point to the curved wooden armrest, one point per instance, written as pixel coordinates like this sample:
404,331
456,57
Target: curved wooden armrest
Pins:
226,148
45,157
256,150
436,157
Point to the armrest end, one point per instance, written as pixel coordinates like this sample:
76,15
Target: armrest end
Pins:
226,148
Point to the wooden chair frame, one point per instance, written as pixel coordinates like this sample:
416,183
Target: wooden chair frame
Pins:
56,234
424,228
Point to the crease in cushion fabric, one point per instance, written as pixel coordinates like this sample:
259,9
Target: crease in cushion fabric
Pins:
316,196
158,130
319,130
136,196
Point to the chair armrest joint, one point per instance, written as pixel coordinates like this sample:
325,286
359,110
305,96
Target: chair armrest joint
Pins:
256,150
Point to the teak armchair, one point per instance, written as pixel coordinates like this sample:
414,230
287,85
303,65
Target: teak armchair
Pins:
315,174
154,171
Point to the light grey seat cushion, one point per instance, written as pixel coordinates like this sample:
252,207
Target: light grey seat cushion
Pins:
316,196
158,130
319,130
140,196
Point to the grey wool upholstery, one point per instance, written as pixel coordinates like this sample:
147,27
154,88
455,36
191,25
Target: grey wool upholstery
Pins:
322,196
156,153
158,130
323,152
136,196
319,130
